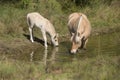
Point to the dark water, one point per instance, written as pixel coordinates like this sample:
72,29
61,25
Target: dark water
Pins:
106,45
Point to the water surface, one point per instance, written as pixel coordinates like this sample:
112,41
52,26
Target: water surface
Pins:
102,45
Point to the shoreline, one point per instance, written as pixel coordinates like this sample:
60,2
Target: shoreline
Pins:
18,45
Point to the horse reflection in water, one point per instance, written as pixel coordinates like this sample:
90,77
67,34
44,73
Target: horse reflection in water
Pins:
49,62
31,56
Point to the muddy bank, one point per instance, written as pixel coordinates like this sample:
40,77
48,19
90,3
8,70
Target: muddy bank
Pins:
17,46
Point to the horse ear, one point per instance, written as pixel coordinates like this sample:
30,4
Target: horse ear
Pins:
55,36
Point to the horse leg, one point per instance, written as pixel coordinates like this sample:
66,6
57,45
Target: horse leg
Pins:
30,24
72,35
85,42
45,38
82,43
31,34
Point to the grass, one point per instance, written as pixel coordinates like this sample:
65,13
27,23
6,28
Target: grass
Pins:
99,67
13,18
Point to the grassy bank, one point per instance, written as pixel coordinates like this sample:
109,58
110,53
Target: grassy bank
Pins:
99,67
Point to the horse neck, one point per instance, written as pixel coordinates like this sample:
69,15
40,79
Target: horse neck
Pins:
52,34
51,30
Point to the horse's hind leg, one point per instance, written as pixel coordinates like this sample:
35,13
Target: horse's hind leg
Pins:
30,24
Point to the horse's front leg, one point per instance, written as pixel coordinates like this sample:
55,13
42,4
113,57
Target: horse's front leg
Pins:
72,35
45,39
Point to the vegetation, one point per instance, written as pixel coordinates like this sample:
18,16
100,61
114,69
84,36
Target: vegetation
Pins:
104,16
98,67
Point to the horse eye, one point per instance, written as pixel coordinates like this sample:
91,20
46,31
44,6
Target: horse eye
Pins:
55,40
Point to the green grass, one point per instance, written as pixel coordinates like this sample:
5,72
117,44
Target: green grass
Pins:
13,18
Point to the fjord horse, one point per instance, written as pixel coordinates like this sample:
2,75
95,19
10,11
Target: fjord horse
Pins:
80,30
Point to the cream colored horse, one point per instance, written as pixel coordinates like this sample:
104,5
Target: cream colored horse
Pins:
80,29
35,19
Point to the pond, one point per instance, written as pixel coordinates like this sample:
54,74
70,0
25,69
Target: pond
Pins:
108,44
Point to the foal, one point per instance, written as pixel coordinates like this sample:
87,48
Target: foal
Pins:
35,19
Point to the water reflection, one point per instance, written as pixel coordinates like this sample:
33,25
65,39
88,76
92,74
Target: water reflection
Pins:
53,55
48,58
44,55
31,56
107,45
49,61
